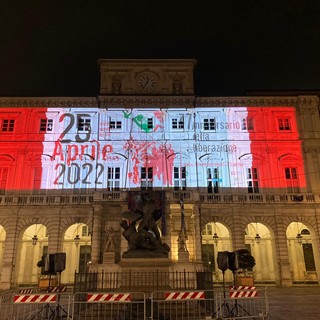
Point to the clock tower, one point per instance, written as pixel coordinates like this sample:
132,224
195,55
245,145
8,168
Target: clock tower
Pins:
146,76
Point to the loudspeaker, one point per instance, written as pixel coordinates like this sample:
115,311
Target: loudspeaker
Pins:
47,264
223,261
59,262
246,260
233,261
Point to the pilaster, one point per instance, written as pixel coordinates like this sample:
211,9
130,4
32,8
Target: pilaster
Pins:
96,235
197,233
9,256
283,276
238,233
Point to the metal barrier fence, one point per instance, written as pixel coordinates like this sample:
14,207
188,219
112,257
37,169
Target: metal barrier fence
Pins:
242,303
227,304
33,306
108,306
186,305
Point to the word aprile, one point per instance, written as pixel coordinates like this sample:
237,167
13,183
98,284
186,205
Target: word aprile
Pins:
73,152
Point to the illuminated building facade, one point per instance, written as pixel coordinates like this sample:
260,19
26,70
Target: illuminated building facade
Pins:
247,169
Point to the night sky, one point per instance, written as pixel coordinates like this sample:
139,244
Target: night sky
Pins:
51,48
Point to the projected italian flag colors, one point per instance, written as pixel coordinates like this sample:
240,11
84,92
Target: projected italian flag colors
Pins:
214,149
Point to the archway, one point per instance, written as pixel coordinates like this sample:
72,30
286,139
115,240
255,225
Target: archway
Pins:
301,249
34,243
2,239
260,243
215,237
77,246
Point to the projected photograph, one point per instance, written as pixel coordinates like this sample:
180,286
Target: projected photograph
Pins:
213,149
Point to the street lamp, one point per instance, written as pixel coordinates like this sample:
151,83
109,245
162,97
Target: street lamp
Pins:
76,239
299,238
34,240
215,238
35,237
257,238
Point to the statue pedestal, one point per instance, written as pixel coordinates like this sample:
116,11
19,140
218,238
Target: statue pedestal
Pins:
145,264
108,257
183,256
108,265
145,274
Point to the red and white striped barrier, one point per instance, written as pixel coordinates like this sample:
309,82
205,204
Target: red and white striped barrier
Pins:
35,298
243,292
185,295
108,297
24,291
57,289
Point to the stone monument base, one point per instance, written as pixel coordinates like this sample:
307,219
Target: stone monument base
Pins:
145,274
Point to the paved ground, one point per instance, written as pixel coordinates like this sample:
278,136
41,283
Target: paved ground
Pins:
296,303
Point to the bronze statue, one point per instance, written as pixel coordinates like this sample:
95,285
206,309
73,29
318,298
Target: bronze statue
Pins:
141,230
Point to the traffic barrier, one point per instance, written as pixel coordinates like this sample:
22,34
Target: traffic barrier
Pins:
176,305
57,289
184,295
34,306
35,298
108,305
108,297
27,290
173,305
243,292
242,304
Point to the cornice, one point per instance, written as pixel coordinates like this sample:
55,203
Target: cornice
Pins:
257,101
146,101
49,102
146,63
302,102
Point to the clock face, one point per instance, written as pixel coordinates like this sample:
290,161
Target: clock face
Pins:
147,81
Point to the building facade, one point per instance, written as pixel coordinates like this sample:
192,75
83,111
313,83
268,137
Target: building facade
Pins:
243,172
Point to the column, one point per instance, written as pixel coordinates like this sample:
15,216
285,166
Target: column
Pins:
238,233
197,233
9,255
55,233
96,236
283,276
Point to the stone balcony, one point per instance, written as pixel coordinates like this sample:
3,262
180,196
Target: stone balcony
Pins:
193,196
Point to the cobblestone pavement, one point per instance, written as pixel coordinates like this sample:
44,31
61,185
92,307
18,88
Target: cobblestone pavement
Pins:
295,303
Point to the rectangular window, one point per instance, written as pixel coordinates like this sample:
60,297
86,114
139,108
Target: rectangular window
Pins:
177,123
247,124
207,230
46,125
115,124
113,183
7,125
84,258
252,180
179,178
208,256
85,231
84,124
308,257
284,124
209,124
146,178
3,179
213,180
292,180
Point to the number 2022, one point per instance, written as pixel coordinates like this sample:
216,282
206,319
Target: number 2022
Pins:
73,173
